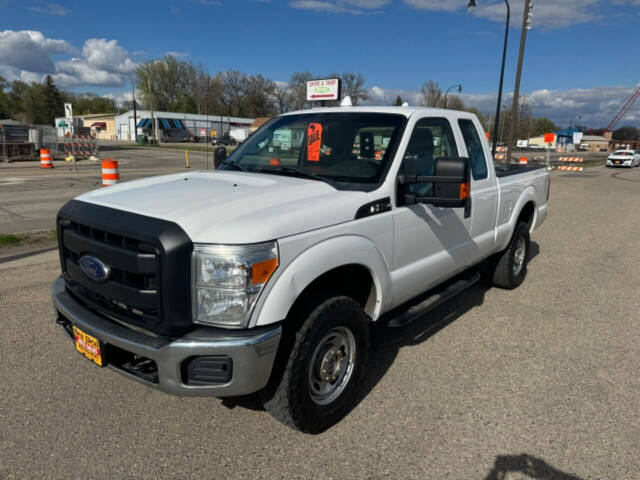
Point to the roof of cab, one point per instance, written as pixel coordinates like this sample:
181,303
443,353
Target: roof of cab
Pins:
406,111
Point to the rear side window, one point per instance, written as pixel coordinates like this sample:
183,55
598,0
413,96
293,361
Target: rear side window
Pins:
474,148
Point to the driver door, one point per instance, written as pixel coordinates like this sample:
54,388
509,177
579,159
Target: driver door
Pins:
430,243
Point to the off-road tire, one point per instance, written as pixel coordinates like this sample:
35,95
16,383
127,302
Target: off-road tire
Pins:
501,267
287,397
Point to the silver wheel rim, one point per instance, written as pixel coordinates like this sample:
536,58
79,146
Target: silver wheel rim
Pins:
519,256
332,365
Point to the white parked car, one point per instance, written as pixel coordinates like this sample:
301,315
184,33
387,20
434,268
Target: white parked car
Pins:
624,158
268,274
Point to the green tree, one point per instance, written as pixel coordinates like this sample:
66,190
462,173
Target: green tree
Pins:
398,101
540,126
164,83
626,133
5,106
52,102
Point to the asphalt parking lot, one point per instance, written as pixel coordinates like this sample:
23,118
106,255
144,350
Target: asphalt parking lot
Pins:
30,196
537,383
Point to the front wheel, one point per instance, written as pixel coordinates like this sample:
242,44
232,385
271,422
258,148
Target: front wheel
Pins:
318,386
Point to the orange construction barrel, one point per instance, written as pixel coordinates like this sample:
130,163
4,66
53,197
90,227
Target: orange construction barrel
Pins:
110,173
524,160
45,158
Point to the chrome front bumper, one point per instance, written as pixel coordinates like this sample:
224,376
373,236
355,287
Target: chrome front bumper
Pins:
252,352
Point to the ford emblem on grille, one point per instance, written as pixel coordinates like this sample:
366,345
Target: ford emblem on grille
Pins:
93,268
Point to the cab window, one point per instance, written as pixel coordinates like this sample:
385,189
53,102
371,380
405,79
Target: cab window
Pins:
474,149
432,138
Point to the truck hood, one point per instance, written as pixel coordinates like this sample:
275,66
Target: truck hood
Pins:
234,207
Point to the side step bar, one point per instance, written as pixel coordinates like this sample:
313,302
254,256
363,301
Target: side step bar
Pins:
436,297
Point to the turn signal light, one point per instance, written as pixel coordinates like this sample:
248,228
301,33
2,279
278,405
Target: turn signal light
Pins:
465,191
261,271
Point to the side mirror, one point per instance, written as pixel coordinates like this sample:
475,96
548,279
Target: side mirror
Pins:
219,156
451,184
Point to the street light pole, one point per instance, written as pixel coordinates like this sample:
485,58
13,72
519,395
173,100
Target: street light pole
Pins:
446,95
472,6
523,39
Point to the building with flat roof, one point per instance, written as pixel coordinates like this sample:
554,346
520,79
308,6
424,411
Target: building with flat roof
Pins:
173,126
594,143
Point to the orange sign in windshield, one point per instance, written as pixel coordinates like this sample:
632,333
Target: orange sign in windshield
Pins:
314,142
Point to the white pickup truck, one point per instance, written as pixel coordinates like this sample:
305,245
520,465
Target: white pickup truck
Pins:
268,274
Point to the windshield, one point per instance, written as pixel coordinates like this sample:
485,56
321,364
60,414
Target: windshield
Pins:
348,150
623,153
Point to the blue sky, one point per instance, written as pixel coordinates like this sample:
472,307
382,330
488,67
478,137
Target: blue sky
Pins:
575,45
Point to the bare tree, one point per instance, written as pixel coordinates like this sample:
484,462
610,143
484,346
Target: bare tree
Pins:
455,102
298,89
432,95
353,85
234,86
259,97
282,99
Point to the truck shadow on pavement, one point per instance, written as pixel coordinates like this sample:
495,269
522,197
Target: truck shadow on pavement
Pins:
387,342
532,467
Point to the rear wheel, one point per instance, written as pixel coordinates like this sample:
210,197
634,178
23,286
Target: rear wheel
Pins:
509,268
318,385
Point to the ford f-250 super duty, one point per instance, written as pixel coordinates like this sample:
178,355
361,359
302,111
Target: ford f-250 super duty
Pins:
267,274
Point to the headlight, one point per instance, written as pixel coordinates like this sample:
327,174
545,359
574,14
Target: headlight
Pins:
228,280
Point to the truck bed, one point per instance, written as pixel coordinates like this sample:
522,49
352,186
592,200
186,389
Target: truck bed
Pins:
507,169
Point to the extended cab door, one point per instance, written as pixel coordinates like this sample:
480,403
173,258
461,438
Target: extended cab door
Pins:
430,243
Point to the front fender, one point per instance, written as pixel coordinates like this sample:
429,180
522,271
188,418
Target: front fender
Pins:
316,261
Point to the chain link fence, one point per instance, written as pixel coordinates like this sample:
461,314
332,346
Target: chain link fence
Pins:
23,142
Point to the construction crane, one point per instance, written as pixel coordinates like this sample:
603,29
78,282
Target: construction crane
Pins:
624,110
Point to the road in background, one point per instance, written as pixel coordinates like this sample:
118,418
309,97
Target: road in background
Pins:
539,382
31,197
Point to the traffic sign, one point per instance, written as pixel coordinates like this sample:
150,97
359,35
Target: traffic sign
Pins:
68,112
549,137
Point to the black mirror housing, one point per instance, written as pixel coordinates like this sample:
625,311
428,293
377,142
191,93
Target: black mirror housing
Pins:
219,156
452,184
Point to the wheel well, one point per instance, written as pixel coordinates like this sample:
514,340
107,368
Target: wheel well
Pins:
354,281
527,215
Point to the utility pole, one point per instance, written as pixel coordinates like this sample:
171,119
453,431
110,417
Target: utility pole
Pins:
153,123
206,136
135,118
526,25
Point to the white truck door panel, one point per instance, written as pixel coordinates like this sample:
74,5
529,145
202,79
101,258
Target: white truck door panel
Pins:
431,243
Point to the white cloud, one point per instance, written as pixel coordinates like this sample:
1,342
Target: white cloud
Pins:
596,106
78,71
49,8
354,7
27,55
107,55
120,98
547,13
30,50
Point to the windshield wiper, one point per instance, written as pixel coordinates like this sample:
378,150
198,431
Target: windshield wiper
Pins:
234,164
295,171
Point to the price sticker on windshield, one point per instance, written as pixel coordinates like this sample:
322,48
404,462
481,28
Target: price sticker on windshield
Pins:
314,142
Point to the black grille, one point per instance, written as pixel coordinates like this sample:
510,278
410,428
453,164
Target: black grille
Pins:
149,261
132,289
